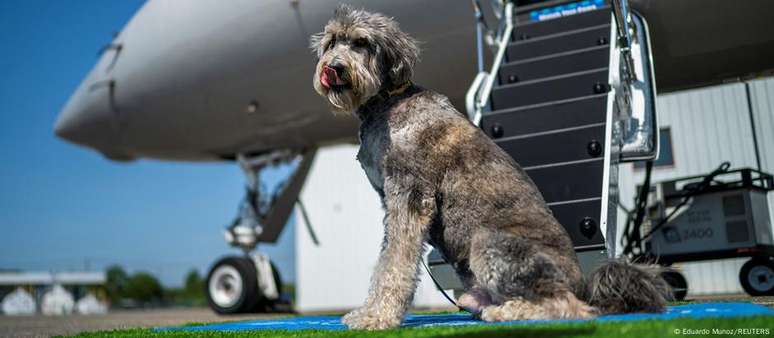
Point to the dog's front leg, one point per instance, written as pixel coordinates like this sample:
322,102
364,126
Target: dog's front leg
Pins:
394,280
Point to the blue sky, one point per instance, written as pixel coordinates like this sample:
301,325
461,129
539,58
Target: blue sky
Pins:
64,207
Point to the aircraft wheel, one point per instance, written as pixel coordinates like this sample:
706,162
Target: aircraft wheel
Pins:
678,283
232,286
757,276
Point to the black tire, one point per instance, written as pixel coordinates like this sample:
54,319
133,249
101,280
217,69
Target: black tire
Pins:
240,298
757,276
678,283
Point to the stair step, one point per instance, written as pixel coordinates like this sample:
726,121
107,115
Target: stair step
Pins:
559,146
549,112
545,117
558,43
569,182
570,215
555,64
541,28
557,88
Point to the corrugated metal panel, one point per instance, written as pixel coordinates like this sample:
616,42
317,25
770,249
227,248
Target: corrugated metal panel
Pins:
346,215
762,97
713,277
708,126
762,93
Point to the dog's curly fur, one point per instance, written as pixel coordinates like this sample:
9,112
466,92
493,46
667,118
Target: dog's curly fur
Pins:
443,181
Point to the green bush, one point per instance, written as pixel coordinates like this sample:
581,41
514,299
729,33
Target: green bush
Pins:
116,281
143,288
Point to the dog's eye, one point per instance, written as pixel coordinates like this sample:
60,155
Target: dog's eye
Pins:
362,42
331,43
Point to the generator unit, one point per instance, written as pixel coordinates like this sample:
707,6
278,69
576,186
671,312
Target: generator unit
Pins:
724,215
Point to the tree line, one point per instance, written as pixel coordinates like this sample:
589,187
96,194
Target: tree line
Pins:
143,289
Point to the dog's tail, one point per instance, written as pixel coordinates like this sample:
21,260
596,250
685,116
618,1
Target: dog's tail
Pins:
621,287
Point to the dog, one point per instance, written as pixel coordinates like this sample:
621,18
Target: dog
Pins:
442,181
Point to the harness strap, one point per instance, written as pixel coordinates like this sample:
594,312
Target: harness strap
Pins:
386,94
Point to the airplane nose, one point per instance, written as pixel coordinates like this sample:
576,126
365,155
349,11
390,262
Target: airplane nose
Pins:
89,119
86,118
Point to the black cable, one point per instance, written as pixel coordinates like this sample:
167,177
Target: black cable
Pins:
632,229
632,236
643,204
691,191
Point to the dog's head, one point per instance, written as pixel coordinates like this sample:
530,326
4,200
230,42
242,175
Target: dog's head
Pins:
360,54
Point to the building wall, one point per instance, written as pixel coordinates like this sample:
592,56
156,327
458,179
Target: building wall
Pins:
762,94
346,216
709,126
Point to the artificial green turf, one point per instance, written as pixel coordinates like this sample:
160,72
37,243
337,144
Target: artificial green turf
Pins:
635,329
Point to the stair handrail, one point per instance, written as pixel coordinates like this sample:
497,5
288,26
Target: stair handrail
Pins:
641,143
621,15
477,97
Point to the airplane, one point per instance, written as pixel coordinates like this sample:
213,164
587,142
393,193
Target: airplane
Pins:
231,81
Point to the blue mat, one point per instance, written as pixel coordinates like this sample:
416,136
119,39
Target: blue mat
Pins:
702,310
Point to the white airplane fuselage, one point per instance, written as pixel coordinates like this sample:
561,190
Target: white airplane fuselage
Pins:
205,80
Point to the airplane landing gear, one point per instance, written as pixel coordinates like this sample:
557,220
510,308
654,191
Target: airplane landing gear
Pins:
231,285
251,283
243,284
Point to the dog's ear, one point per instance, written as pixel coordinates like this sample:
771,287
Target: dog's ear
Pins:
401,53
316,43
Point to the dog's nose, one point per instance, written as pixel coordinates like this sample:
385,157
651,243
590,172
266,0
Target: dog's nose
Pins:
337,66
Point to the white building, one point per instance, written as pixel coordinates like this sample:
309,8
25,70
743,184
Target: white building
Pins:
57,301
18,302
50,293
90,305
703,127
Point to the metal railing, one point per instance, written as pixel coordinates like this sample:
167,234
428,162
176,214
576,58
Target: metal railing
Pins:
477,97
621,15
638,88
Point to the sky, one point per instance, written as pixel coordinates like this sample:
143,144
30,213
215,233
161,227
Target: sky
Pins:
67,208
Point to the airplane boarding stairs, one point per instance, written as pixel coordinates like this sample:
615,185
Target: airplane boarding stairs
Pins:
562,102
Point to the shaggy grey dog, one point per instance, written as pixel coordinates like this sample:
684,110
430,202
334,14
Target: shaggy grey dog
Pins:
443,181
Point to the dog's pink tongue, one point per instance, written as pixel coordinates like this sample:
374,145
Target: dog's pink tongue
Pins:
328,77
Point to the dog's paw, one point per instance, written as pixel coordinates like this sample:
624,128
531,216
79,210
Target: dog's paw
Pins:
352,316
513,310
369,319
492,314
474,301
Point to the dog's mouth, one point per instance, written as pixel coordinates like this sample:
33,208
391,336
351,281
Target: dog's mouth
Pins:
331,80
